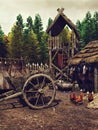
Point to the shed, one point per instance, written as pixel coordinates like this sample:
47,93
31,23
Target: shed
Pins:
89,54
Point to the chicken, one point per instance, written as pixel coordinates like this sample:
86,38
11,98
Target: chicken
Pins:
90,97
76,98
79,98
72,96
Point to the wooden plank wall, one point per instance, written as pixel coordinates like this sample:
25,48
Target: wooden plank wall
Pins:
96,79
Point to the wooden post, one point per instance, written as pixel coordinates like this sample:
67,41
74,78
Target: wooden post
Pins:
53,42
72,43
57,41
96,79
50,49
48,43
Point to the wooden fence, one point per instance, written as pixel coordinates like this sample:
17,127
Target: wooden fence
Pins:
17,69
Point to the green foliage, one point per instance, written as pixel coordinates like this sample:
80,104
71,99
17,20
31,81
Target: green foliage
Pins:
27,40
1,35
3,48
65,37
95,25
41,37
88,28
16,42
79,26
19,21
38,27
30,46
49,22
44,48
29,24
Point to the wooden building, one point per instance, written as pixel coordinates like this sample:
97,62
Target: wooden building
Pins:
57,50
89,55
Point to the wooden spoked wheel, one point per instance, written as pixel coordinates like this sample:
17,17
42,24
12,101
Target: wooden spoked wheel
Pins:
39,91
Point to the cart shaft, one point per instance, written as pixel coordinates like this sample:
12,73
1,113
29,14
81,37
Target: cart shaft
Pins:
11,96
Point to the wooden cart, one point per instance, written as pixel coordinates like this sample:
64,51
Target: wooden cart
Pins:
38,91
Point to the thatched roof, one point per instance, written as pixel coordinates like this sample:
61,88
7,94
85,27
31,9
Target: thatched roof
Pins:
60,21
89,54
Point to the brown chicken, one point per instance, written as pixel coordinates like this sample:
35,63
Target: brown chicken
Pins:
79,98
72,96
76,98
90,97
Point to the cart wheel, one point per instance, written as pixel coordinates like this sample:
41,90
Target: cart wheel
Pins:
39,91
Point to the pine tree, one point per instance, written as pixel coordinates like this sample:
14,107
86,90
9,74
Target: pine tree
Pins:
86,29
95,24
29,24
3,47
38,27
49,22
17,38
38,30
44,48
30,46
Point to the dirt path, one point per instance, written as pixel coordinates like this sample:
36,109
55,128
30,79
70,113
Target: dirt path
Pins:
62,115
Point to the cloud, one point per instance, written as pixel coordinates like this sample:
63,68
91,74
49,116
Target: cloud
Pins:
74,10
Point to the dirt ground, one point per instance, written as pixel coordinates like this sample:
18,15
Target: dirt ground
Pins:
62,115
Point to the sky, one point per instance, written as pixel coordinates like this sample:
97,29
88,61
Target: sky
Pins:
73,9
